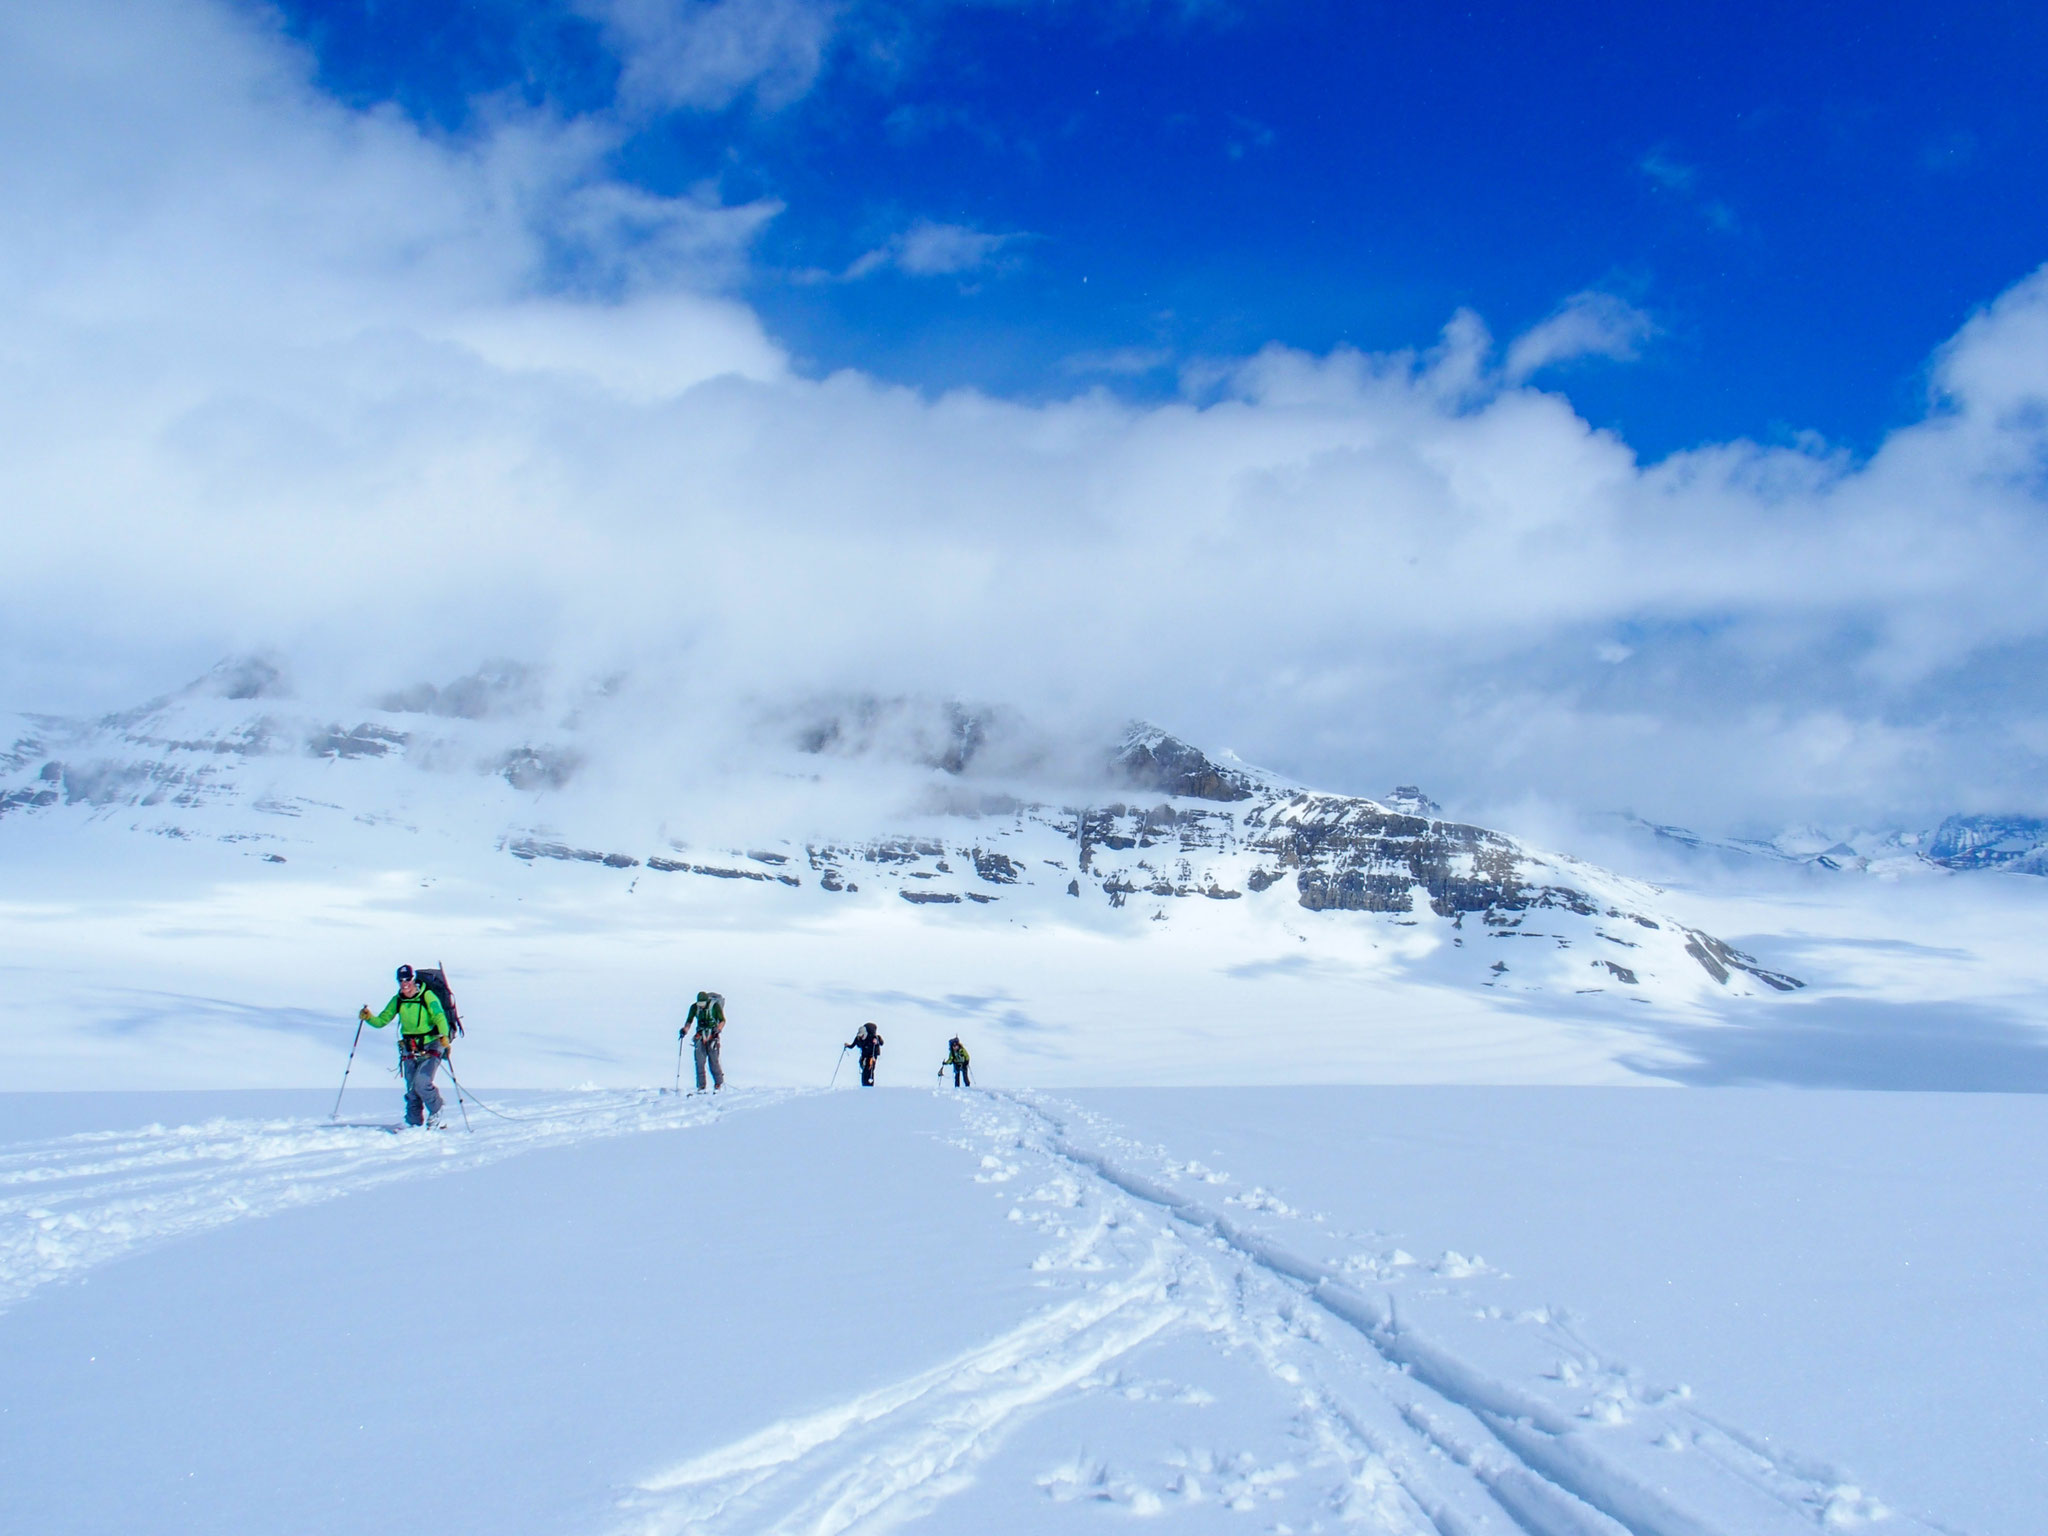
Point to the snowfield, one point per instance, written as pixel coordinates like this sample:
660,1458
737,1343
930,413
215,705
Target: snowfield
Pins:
1540,1307
1279,1310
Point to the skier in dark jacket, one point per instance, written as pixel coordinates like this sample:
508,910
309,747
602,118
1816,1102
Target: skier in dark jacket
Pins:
956,1058
869,1043
422,1045
707,1017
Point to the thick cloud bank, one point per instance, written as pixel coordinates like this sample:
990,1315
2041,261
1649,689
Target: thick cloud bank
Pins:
278,372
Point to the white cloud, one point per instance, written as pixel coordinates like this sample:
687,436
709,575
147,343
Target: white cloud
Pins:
1675,176
1665,170
708,53
931,249
1589,324
1126,362
281,373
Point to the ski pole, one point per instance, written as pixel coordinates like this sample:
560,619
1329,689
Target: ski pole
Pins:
335,1112
679,1061
837,1065
449,1061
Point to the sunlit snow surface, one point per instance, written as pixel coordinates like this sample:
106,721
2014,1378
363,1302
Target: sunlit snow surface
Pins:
1381,1310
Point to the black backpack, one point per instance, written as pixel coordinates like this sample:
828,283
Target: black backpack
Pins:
435,980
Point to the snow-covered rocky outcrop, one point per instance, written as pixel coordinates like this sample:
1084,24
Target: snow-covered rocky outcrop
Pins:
958,811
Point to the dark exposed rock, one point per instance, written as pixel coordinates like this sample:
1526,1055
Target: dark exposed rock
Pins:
1353,855
533,848
1356,890
720,872
1718,960
768,858
26,800
995,868
361,741
1709,961
1262,879
247,677
536,768
967,736
925,897
1151,759
1620,972
901,850
1411,801
1073,887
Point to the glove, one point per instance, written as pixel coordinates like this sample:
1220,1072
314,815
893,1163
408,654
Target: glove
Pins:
365,1014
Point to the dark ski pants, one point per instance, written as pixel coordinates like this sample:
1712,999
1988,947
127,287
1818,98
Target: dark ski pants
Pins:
960,1075
422,1098
867,1070
707,1058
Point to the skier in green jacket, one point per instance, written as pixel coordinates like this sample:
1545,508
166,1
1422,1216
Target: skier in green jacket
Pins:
422,1045
956,1058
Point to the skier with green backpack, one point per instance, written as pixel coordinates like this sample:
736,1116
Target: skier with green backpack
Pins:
707,1018
427,1021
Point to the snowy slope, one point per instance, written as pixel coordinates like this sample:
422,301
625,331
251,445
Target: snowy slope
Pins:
241,866
995,1312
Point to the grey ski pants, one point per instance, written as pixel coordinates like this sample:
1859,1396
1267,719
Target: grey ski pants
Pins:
707,1057
422,1098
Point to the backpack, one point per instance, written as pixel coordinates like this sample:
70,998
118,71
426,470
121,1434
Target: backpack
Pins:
435,980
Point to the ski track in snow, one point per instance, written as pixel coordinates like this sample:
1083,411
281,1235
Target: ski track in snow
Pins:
1400,1433
72,1202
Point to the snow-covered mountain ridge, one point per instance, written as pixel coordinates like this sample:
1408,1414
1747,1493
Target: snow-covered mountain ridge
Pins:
2016,844
958,811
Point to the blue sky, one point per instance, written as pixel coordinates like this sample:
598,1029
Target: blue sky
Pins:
1803,199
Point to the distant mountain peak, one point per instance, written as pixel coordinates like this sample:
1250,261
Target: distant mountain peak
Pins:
1152,759
1410,801
254,676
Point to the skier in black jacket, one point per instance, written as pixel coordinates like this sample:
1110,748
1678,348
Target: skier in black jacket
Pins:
869,1043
